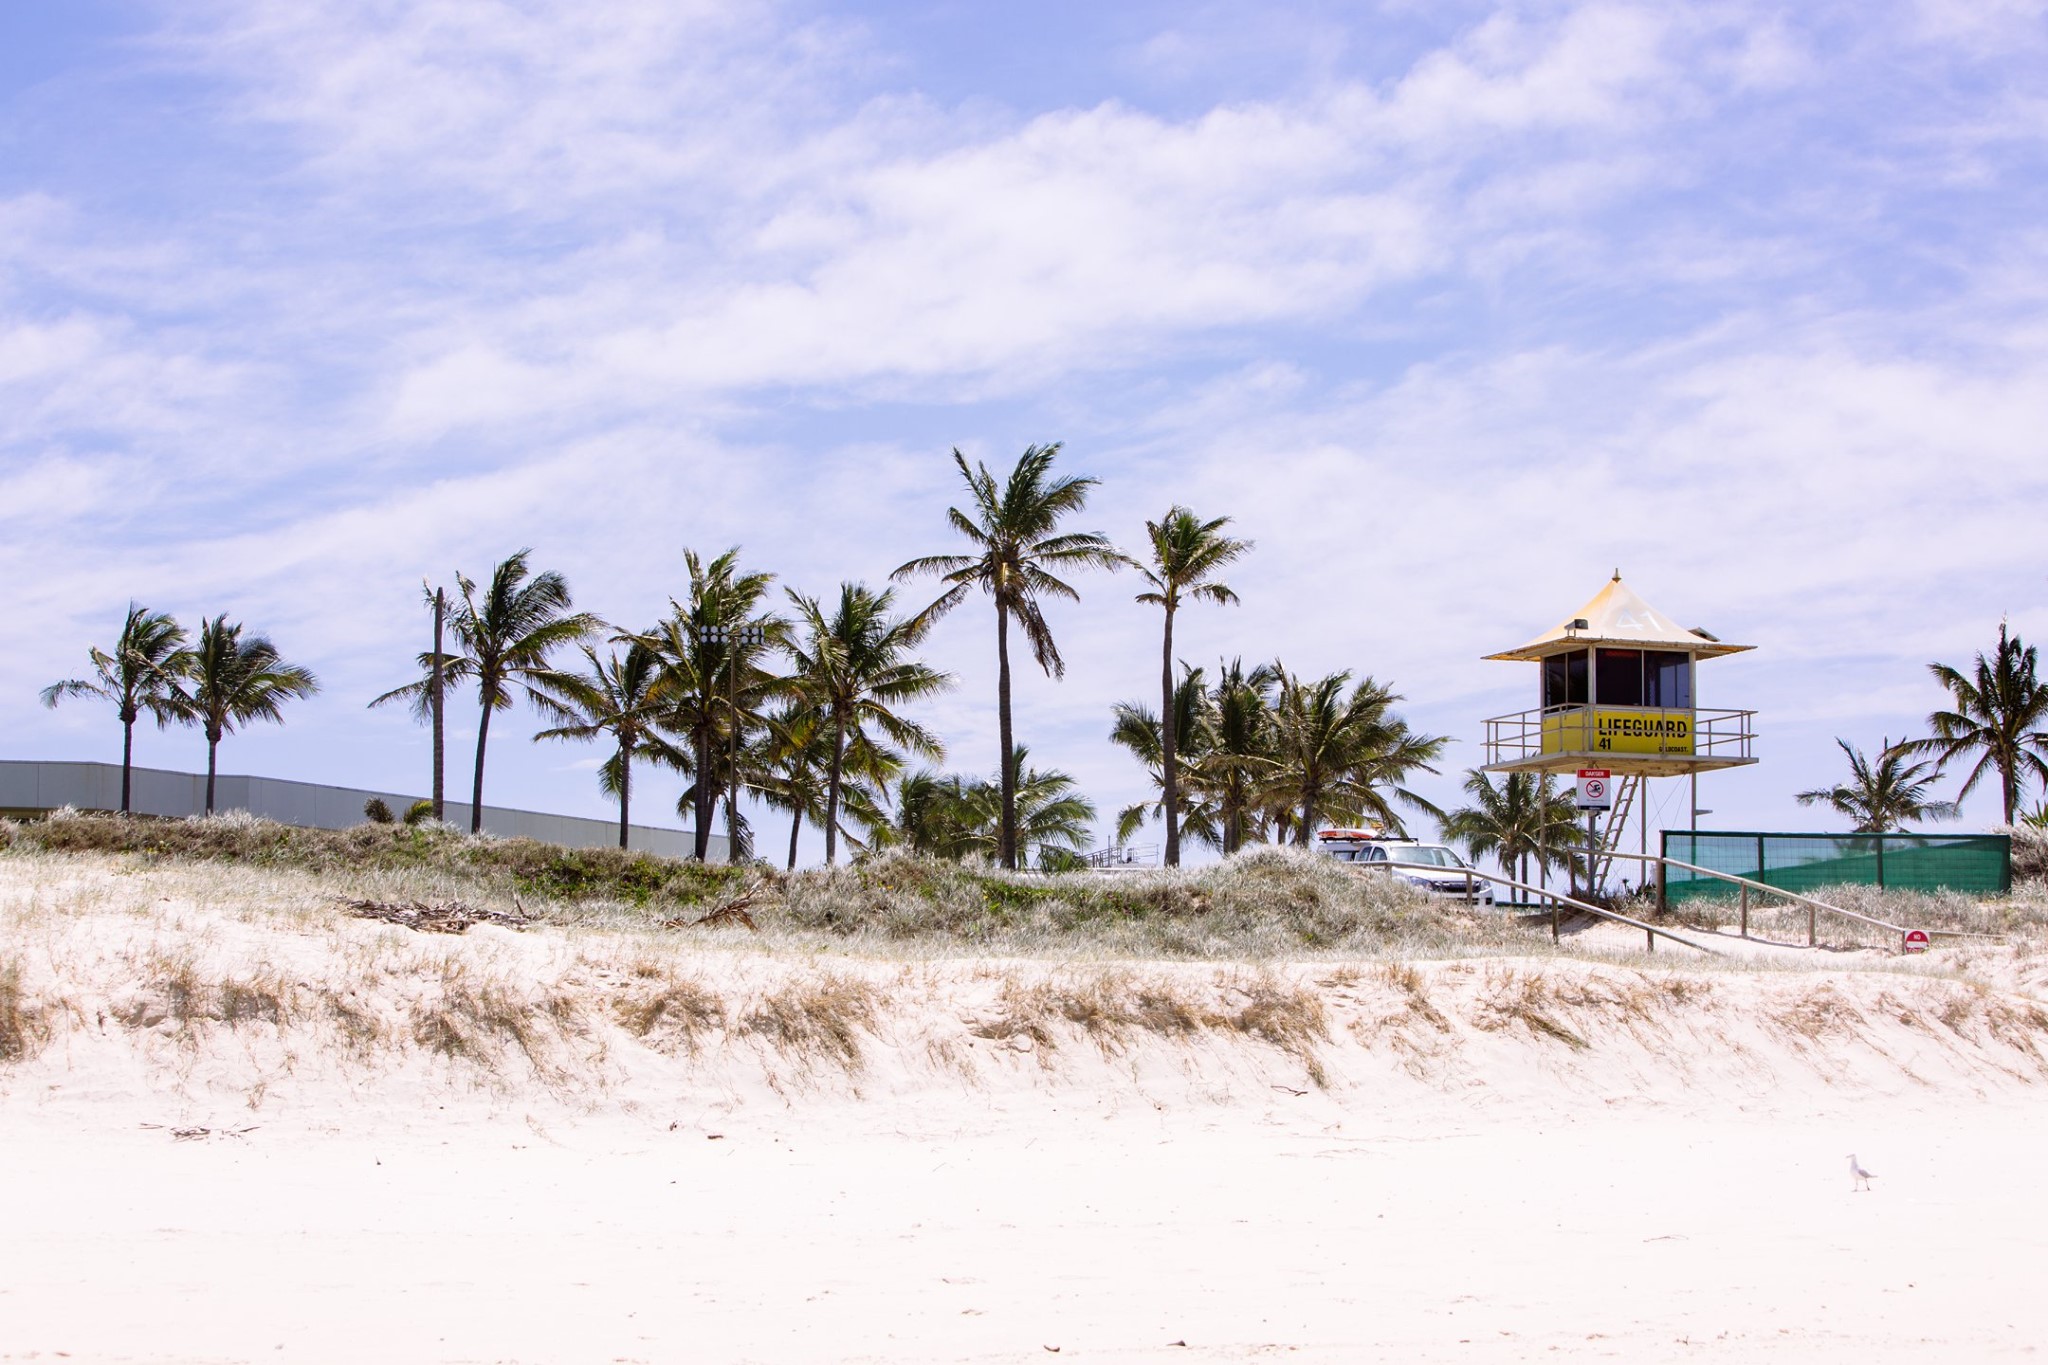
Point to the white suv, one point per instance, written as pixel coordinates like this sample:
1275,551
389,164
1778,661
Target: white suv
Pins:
1430,867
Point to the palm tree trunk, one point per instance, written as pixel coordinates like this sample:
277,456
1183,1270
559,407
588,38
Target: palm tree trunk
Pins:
476,795
1308,816
1006,837
212,752
1169,775
439,694
832,779
625,790
796,827
127,760
704,798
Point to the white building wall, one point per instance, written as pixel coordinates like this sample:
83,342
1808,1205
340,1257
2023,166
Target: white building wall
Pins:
33,787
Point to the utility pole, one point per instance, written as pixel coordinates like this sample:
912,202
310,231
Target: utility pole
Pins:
434,695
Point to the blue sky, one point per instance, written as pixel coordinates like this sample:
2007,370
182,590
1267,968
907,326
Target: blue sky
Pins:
1453,307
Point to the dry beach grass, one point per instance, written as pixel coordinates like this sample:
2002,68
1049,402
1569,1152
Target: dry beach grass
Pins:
535,1108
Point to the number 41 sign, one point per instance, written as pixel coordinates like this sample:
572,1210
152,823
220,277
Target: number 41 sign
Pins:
1595,789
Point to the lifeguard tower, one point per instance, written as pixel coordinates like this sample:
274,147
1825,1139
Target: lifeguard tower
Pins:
1618,692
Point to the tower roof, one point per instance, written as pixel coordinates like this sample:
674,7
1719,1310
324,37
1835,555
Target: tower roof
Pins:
1617,617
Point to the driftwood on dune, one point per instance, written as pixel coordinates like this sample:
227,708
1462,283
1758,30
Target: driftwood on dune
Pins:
449,917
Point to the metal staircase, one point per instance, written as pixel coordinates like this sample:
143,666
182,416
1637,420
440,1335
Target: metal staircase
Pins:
1626,795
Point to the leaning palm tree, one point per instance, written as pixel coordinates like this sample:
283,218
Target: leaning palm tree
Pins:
1344,754
2000,713
714,688
1187,553
140,675
1525,818
853,664
615,697
1018,554
1881,796
232,681
1137,729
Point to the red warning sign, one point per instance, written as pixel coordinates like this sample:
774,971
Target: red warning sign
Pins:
1916,940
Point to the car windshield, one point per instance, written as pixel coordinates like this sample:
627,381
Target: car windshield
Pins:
1430,855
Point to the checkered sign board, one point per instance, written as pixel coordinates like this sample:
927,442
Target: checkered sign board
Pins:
1596,789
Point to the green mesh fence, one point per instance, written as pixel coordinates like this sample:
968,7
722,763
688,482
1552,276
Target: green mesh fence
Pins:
1970,863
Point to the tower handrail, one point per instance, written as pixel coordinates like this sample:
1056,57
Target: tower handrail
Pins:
1556,899
1812,903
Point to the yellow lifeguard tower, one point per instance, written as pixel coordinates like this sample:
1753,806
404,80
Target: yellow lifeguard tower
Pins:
1618,692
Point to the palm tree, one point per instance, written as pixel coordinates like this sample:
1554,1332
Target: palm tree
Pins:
2000,712
945,815
616,697
795,755
505,638
938,814
140,675
1524,818
1054,821
234,681
852,664
1239,757
1016,561
1343,755
1882,796
1137,729
1186,554
713,686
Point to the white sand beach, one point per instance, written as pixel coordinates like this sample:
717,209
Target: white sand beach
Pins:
1491,1159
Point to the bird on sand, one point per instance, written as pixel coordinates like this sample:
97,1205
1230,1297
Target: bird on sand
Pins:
1859,1179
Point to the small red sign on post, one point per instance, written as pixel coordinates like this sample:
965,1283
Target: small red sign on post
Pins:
1594,793
1916,940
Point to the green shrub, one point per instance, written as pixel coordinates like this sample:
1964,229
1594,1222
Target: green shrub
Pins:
376,811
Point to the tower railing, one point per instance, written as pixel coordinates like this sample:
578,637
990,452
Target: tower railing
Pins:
1712,736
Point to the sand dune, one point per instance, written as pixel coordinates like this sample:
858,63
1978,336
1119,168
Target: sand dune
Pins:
245,1125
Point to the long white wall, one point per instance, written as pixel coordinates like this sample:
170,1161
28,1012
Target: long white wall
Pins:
31,787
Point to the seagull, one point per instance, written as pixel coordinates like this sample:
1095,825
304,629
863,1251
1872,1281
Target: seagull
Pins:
1859,1179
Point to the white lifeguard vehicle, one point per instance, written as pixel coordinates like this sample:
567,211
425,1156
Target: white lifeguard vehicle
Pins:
1427,867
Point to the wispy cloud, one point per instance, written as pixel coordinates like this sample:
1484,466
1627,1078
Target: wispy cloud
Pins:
1452,321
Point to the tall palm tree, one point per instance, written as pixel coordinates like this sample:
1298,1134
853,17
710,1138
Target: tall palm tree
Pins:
2000,712
853,664
1344,754
614,697
714,686
232,681
1137,729
1239,756
1018,554
1883,795
1526,817
1187,553
141,674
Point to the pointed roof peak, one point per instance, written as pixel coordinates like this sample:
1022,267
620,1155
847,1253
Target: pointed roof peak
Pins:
1618,616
